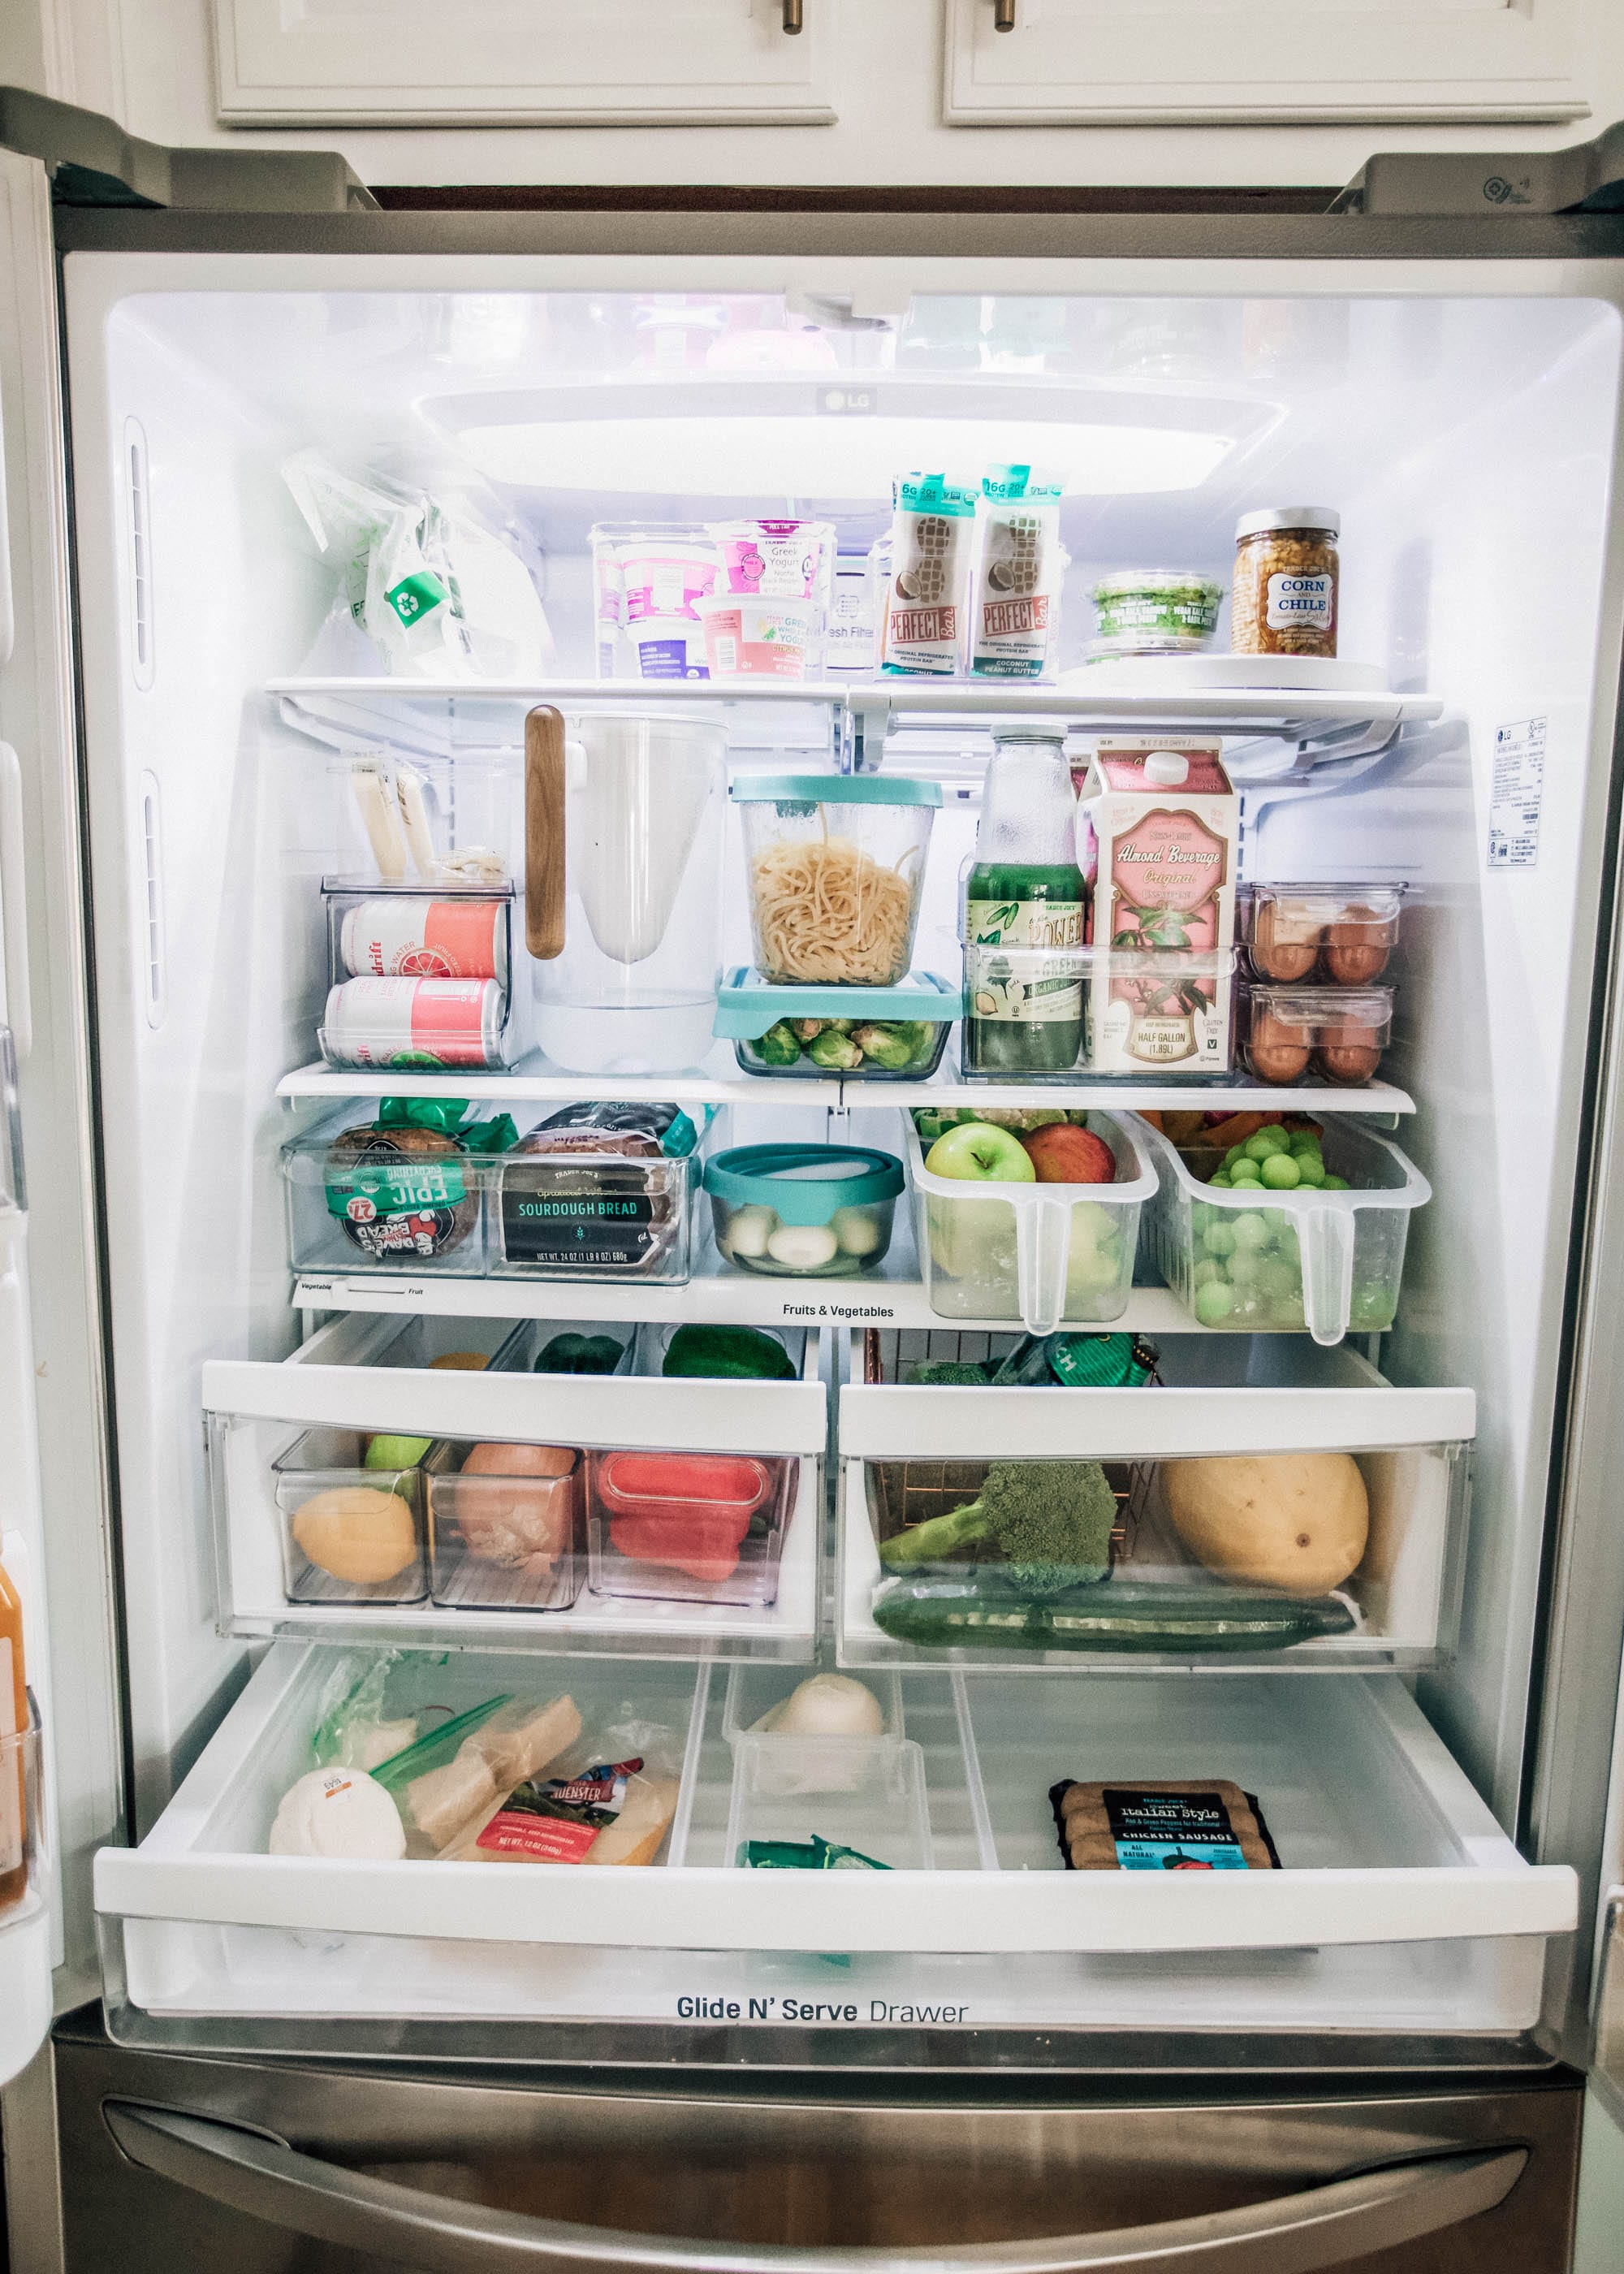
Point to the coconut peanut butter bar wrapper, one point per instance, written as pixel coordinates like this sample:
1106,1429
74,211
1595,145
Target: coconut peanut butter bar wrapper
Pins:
1194,1824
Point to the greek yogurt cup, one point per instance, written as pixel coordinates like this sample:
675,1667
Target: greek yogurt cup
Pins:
748,637
666,647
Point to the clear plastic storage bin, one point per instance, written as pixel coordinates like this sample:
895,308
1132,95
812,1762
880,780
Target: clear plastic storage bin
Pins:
1039,1253
352,1529
1344,934
836,866
1339,1033
555,1347
585,1213
364,1195
688,1527
21,1823
506,1527
1324,1262
1126,1013
869,1797
418,976
839,1034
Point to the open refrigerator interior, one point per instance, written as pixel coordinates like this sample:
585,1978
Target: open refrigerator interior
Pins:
275,1377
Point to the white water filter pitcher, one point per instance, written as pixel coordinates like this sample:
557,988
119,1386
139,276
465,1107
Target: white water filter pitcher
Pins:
623,817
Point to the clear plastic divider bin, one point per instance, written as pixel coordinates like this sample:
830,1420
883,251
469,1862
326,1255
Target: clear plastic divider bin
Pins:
27,1879
1039,1253
421,976
494,1432
382,1187
1270,1504
1327,1262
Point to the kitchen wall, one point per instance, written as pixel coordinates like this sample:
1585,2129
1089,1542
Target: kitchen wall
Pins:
149,62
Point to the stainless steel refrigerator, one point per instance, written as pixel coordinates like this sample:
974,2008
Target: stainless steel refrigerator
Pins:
1373,2056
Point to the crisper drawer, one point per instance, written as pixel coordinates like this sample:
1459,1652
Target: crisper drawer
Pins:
1399,1904
417,1481
1265,1502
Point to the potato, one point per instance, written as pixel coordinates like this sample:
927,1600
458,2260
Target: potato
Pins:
1295,1521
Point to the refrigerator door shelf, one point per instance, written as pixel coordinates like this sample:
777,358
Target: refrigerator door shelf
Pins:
365,1374
909,1452
1400,1905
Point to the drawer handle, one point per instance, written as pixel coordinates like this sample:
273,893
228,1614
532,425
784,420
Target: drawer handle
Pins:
795,15
1003,15
1325,2227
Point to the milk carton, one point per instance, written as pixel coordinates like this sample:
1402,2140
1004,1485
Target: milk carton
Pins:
1159,843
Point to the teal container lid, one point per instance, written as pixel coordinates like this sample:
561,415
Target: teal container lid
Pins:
803,1184
834,790
746,1005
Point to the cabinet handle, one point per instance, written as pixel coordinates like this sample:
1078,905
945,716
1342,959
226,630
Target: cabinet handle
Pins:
795,15
1003,15
543,833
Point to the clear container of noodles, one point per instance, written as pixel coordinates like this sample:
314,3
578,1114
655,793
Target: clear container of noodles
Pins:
836,864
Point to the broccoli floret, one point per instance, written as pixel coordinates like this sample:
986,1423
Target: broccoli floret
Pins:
1052,1519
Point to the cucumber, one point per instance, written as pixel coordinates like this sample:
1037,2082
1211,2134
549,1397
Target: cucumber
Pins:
964,1612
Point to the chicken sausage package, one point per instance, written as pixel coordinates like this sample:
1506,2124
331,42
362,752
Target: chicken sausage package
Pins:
1192,1824
611,1799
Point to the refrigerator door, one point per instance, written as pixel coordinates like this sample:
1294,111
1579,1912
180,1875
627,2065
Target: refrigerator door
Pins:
182,2165
52,1509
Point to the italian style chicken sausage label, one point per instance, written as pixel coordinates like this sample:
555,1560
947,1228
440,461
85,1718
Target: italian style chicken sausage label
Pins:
1172,1832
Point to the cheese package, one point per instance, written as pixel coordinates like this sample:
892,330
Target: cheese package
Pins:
609,1813
1191,1823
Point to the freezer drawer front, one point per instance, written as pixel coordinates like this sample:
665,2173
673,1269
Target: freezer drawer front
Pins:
1402,1906
181,2165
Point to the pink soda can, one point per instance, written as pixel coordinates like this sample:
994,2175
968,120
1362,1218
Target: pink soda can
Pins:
415,1023
403,936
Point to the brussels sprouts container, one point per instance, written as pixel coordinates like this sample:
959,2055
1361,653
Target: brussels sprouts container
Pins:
1296,1260
854,1034
1039,1253
803,1211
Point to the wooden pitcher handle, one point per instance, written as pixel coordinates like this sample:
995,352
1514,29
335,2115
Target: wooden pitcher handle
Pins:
543,833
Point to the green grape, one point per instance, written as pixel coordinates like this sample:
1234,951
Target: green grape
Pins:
1264,1141
1250,1231
1204,1271
1221,1238
1334,1185
1214,1302
1310,1168
1280,1172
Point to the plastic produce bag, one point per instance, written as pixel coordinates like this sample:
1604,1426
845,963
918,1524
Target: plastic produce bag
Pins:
439,593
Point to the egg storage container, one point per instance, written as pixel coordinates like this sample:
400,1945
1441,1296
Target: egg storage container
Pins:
835,865
803,1211
688,1527
1340,1033
992,1248
506,1527
397,1188
1341,933
1290,1261
601,1192
350,1509
847,1033
794,1797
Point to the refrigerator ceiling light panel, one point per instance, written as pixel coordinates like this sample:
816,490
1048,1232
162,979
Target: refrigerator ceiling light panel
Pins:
820,456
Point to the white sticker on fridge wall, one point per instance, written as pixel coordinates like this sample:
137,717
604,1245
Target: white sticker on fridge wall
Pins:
1516,792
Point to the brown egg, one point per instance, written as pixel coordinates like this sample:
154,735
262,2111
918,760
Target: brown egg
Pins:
1274,1051
1356,950
1348,1053
1279,949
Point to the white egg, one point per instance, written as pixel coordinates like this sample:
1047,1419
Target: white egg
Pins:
857,1230
749,1231
803,1247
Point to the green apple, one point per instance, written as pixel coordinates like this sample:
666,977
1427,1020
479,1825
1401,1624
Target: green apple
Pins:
396,1452
981,1152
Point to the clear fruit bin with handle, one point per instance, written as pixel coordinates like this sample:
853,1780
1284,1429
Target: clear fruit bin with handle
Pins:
997,1247
1314,1259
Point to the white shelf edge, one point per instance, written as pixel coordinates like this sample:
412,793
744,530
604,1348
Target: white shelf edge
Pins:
702,1087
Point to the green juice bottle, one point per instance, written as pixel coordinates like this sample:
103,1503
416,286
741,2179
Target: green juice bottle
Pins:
1023,906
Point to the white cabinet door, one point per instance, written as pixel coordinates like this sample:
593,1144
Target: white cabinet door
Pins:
1196,61
517,62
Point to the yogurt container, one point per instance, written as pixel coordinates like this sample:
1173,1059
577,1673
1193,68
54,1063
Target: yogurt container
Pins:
666,577
750,638
781,560
667,647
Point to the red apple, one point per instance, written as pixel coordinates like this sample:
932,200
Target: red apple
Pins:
1063,1153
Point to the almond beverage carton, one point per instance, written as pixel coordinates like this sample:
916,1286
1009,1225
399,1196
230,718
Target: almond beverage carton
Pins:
1159,843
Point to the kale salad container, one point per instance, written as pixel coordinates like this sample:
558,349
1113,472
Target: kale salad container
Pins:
1155,612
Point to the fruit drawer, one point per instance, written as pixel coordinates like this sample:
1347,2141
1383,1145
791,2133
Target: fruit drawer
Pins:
440,1478
1398,1904
1264,1503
